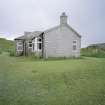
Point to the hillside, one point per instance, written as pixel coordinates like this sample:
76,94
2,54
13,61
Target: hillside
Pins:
94,50
6,45
99,45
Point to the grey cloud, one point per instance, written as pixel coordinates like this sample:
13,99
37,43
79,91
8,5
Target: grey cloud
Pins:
86,16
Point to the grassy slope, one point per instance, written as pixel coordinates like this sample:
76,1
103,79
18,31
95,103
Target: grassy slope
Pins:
6,45
93,51
62,82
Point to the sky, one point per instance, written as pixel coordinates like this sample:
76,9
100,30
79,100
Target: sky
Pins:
87,17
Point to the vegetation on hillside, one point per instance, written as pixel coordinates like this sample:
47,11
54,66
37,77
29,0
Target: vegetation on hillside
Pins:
93,51
6,45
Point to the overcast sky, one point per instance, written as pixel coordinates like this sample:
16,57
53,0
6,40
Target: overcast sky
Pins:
87,17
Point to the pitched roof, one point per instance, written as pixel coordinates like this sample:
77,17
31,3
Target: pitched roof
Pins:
74,31
29,36
35,34
51,29
20,38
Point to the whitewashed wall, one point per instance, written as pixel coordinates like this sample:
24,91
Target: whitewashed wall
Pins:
58,43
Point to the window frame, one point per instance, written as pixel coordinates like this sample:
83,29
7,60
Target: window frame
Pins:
19,44
36,42
74,43
29,43
39,42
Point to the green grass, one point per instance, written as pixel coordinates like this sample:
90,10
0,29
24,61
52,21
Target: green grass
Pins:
24,81
6,45
93,51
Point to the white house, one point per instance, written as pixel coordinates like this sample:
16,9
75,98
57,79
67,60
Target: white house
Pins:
59,41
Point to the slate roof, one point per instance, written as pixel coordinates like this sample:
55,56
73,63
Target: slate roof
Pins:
29,36
74,31
51,29
20,38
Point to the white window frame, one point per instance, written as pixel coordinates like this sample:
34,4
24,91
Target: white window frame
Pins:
19,44
36,42
29,44
39,42
74,44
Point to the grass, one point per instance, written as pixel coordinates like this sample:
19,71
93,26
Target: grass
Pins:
25,81
93,51
6,45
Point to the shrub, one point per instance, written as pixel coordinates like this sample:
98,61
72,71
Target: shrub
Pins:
93,52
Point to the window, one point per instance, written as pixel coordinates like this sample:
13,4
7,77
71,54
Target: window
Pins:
30,44
19,46
74,42
74,45
33,46
40,46
20,43
39,43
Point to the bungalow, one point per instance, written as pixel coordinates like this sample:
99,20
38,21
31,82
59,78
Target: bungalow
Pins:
59,41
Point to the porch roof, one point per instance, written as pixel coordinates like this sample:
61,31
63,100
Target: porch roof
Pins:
29,36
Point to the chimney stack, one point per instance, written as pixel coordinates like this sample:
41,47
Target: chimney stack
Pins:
63,19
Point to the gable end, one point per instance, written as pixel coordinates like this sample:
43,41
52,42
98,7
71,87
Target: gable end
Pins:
74,31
